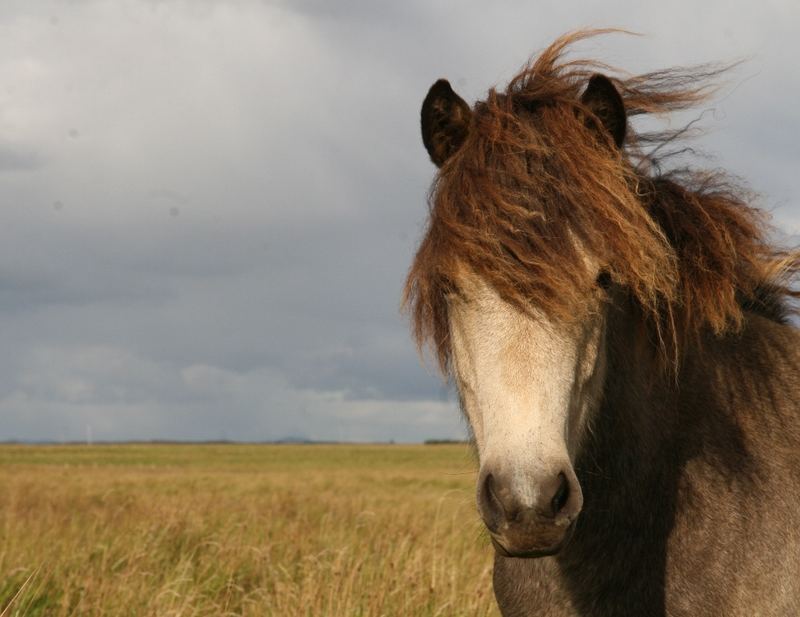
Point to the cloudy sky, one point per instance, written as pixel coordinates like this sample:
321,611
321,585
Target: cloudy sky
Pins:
208,208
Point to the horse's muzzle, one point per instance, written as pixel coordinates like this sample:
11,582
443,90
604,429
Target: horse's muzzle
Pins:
530,521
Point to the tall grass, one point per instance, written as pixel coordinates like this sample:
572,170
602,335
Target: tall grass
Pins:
241,530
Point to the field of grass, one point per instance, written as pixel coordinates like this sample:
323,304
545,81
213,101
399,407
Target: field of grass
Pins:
257,530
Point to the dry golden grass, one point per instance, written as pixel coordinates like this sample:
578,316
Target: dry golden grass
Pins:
241,530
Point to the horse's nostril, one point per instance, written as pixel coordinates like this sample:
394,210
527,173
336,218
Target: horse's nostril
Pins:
487,486
492,503
562,495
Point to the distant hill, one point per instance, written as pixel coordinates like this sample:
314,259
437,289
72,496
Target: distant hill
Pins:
293,439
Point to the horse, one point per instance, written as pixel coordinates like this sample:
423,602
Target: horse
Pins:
620,331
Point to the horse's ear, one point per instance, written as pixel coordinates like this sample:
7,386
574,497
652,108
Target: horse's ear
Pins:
445,122
605,102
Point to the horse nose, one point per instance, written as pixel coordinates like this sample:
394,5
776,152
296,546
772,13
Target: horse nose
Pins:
543,501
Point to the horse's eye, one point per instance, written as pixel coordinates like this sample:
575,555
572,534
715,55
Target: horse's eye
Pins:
604,280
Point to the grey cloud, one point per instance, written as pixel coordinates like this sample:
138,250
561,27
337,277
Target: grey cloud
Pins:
19,159
237,212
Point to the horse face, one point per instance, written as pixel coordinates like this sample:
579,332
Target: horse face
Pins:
528,384
528,387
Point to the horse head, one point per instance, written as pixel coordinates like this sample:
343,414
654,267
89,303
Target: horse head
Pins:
528,383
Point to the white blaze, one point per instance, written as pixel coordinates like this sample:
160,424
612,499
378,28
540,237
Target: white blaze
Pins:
527,385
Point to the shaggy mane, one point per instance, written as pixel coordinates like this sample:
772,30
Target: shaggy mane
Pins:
534,189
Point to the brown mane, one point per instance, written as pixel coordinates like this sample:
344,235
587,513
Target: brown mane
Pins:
534,189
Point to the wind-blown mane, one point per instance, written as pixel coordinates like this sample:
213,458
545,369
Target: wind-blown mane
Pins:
536,198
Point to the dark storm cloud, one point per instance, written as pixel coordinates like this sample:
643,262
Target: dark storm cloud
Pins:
207,230
18,159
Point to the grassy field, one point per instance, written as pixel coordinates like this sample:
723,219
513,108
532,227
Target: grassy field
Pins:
241,530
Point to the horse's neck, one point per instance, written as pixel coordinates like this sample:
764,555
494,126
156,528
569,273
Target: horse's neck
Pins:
723,414
629,471
734,396
726,389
